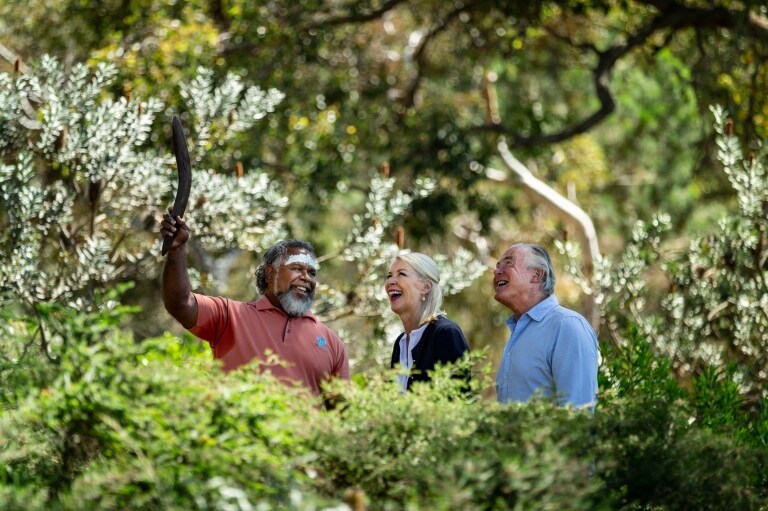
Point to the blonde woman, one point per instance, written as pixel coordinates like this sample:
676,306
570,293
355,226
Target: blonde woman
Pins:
429,338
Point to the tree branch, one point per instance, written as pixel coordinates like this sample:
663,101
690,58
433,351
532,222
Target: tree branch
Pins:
8,55
566,210
218,14
672,16
708,18
317,22
388,5
419,55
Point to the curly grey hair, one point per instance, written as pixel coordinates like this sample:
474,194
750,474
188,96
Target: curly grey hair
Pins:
275,256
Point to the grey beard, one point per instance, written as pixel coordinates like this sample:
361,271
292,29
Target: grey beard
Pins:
294,307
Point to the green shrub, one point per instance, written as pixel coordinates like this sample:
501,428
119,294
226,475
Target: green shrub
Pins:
157,425
435,448
672,446
130,426
651,455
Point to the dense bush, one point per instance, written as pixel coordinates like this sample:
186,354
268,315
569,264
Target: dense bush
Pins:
151,425
156,425
435,449
708,306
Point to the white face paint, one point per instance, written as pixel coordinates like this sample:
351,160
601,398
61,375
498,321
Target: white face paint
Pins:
302,259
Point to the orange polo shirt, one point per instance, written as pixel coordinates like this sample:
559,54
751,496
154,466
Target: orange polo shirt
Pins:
238,332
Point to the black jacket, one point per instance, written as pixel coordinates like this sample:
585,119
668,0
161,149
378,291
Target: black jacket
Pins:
442,342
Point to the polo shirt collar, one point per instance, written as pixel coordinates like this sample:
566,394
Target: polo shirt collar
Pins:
263,303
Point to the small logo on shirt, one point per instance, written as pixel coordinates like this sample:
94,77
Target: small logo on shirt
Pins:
321,343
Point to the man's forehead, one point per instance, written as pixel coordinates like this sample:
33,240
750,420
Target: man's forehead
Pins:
512,252
301,257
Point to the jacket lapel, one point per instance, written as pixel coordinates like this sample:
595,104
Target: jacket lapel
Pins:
419,350
396,352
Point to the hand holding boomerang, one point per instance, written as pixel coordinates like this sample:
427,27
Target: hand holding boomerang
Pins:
170,229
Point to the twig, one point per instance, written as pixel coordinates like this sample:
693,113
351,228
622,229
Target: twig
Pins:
7,54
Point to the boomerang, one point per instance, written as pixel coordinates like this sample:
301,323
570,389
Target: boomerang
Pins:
184,169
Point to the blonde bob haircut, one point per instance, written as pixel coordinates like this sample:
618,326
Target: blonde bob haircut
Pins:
427,270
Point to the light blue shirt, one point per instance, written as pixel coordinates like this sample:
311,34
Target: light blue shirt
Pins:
553,351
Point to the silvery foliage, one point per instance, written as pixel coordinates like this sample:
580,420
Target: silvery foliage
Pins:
81,187
69,164
715,308
368,244
230,213
224,110
460,271
239,213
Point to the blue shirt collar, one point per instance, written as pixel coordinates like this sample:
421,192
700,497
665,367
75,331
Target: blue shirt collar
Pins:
538,311
543,308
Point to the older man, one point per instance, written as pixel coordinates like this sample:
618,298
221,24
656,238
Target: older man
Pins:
280,322
552,351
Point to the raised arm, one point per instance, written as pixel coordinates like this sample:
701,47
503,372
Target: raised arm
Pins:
177,290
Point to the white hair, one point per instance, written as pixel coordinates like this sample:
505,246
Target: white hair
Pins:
427,270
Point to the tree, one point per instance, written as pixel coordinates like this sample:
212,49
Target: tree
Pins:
712,314
81,194
404,82
605,101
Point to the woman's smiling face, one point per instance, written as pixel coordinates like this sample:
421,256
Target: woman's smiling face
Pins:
404,288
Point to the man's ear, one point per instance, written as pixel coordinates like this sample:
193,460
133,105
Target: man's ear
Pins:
269,272
538,275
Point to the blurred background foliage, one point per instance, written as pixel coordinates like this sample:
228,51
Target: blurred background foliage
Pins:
606,100
344,122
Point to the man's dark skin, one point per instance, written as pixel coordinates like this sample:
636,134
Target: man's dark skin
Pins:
296,278
177,289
